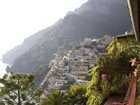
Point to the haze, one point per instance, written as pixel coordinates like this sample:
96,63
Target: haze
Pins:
22,18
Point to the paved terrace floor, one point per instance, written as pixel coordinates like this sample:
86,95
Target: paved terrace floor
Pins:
115,100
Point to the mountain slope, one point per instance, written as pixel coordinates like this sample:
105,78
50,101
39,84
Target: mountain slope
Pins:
28,43
92,20
72,66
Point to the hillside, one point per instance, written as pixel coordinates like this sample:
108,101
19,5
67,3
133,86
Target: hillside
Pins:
28,43
72,66
92,20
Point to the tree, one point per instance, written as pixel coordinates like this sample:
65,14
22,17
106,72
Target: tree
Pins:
56,97
76,95
111,73
17,89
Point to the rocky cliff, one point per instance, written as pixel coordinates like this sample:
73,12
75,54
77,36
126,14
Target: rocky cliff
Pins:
93,19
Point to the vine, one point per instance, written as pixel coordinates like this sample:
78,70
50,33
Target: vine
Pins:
112,72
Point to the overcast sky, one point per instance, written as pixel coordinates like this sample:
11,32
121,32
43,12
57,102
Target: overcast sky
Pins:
22,18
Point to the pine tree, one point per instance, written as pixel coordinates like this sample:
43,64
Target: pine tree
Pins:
17,89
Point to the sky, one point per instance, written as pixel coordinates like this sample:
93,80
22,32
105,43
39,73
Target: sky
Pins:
21,18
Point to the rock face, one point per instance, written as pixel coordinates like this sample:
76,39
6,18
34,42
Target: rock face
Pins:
93,19
73,65
28,43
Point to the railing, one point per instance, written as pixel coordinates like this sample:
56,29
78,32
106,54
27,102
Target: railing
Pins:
130,98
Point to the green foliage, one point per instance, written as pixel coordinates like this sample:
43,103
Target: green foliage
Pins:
138,100
95,97
18,89
56,97
74,96
123,56
77,95
138,97
117,57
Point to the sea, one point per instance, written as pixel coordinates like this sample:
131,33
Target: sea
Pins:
2,68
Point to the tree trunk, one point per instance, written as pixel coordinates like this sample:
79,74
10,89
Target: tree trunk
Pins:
19,98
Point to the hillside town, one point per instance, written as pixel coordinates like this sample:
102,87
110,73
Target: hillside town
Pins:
72,66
